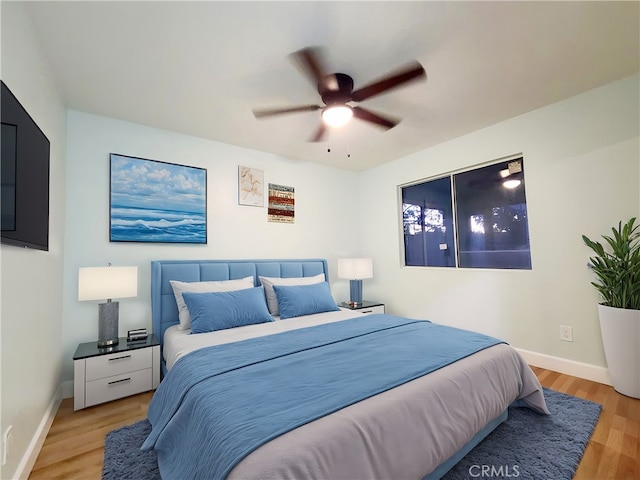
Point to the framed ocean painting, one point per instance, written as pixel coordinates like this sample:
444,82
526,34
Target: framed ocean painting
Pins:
153,201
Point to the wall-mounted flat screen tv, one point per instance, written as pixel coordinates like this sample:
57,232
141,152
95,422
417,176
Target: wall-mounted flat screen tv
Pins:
24,177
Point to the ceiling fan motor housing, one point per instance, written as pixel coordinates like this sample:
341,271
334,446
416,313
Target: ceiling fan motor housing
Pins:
336,88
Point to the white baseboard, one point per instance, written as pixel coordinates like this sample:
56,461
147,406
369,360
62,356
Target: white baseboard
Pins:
33,450
568,367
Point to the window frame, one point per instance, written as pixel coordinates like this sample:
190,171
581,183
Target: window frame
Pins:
450,175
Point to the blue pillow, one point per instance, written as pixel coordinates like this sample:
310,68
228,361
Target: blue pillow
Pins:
211,311
297,300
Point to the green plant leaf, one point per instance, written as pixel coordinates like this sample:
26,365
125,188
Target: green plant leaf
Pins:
618,268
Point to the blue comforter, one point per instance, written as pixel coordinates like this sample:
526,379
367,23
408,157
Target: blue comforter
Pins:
220,403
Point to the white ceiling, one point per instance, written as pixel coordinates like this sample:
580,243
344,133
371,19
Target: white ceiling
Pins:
199,68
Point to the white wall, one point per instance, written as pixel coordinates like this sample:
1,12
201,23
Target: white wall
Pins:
31,312
323,202
582,169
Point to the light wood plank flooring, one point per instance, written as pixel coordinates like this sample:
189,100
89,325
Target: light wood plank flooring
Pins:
74,447
614,449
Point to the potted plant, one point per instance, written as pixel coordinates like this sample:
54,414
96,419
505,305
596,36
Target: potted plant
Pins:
618,280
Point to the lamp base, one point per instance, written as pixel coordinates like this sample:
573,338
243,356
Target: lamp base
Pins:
108,324
355,294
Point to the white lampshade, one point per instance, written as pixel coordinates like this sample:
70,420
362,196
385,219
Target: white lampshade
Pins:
337,116
102,283
355,268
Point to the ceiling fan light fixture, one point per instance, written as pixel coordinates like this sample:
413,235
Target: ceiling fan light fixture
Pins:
337,115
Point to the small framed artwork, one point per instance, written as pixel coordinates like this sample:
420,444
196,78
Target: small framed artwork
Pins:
159,202
281,204
250,186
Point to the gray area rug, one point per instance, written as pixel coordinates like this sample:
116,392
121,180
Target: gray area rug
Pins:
527,446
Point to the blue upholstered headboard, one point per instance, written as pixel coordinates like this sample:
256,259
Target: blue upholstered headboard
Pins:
164,311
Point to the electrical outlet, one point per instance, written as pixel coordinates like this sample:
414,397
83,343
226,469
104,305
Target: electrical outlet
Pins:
5,444
566,333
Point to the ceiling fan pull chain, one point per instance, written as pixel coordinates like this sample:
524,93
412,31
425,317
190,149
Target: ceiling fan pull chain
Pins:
348,148
328,145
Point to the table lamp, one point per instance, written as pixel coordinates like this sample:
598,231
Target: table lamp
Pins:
106,283
354,270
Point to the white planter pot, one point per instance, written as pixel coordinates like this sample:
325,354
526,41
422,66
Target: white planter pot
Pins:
620,330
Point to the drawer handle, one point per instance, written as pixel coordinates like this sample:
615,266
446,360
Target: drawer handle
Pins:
119,358
367,311
119,381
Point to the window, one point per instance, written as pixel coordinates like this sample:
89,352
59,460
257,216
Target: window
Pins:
471,219
428,224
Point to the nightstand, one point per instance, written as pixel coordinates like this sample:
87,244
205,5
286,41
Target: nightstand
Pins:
365,307
104,374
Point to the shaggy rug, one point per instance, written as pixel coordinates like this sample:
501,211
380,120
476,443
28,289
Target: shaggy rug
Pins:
527,446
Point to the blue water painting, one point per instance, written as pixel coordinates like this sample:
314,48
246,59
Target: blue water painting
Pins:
154,201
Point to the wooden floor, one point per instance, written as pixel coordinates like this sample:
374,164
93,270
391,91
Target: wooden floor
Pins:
613,451
74,447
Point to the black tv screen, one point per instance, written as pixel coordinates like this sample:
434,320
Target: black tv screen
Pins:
24,177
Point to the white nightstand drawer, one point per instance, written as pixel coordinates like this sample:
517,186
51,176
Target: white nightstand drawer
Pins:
369,310
117,363
118,386
101,375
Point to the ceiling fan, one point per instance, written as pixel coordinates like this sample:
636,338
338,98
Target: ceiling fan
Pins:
338,95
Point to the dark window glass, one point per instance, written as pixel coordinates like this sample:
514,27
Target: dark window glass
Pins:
428,224
490,219
491,211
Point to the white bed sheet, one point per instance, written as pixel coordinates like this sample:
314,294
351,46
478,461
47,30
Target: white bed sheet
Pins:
178,343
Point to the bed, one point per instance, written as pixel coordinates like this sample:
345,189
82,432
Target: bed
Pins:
367,400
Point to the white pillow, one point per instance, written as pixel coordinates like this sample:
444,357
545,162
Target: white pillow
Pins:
200,287
269,282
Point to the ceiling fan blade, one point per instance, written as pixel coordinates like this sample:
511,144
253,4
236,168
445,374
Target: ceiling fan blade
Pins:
310,60
369,116
270,112
320,134
413,71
